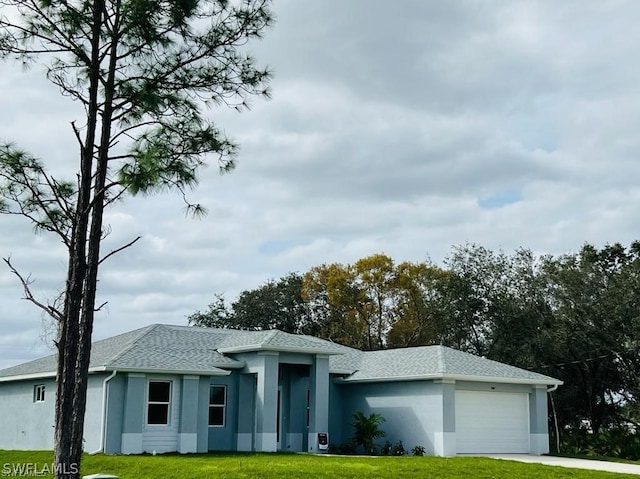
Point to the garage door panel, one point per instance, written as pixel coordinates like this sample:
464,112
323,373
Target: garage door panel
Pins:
492,422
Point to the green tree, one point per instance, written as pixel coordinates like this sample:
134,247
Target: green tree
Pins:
375,278
274,305
143,70
596,302
421,308
334,303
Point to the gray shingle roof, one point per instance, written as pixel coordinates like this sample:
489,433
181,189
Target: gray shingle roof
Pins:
431,362
185,349
275,340
153,348
210,351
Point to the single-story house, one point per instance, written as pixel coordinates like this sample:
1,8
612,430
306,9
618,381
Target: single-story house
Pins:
175,388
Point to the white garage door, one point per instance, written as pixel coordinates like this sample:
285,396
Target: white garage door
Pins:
492,422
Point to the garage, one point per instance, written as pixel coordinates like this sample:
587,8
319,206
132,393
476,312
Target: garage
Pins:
491,422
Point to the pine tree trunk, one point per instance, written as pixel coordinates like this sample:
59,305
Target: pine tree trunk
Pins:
74,345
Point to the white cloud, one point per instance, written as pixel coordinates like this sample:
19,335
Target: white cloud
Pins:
390,128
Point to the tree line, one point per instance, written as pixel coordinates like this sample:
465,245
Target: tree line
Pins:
574,317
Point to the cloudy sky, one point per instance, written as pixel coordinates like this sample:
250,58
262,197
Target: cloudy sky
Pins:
399,127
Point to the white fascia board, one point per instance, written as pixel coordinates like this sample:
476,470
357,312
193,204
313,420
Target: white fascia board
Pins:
190,372
24,377
45,375
341,372
455,377
102,369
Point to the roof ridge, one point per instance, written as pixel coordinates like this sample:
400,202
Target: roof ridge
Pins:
142,334
272,333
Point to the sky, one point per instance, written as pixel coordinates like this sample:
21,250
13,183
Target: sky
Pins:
405,128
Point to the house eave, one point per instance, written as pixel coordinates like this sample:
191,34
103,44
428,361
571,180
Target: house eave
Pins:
25,377
104,369
187,372
341,372
455,377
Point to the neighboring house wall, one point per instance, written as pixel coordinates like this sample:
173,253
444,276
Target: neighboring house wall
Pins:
413,411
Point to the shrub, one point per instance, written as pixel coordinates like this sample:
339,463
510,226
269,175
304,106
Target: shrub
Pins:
386,449
418,450
613,442
366,429
398,449
344,448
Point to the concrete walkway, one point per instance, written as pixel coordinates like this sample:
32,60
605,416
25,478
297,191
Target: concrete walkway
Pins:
569,462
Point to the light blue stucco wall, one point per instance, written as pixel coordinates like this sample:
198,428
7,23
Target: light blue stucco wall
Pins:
24,423
337,413
115,410
132,419
413,411
29,425
203,414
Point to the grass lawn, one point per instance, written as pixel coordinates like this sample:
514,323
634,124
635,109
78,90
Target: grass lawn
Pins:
238,465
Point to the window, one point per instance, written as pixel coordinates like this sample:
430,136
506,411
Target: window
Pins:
38,393
217,405
158,403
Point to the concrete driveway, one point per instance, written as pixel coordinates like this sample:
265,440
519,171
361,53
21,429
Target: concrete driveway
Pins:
569,462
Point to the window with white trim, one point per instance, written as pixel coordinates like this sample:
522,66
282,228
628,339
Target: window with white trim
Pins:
38,393
217,405
158,402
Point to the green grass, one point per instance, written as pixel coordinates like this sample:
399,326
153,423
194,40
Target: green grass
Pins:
289,466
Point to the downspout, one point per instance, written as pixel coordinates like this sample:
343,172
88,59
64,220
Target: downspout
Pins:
103,419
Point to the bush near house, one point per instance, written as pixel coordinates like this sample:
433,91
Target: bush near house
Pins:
623,443
366,429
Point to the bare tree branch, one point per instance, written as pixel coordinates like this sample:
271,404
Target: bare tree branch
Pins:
117,250
28,295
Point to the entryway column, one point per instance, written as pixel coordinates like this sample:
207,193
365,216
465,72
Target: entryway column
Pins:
266,402
319,400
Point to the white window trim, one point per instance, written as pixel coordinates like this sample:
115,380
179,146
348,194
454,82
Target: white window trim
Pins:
39,391
222,406
168,404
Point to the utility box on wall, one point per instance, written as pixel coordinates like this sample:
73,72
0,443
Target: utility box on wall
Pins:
323,441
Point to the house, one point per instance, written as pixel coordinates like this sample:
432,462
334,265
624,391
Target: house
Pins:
175,388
